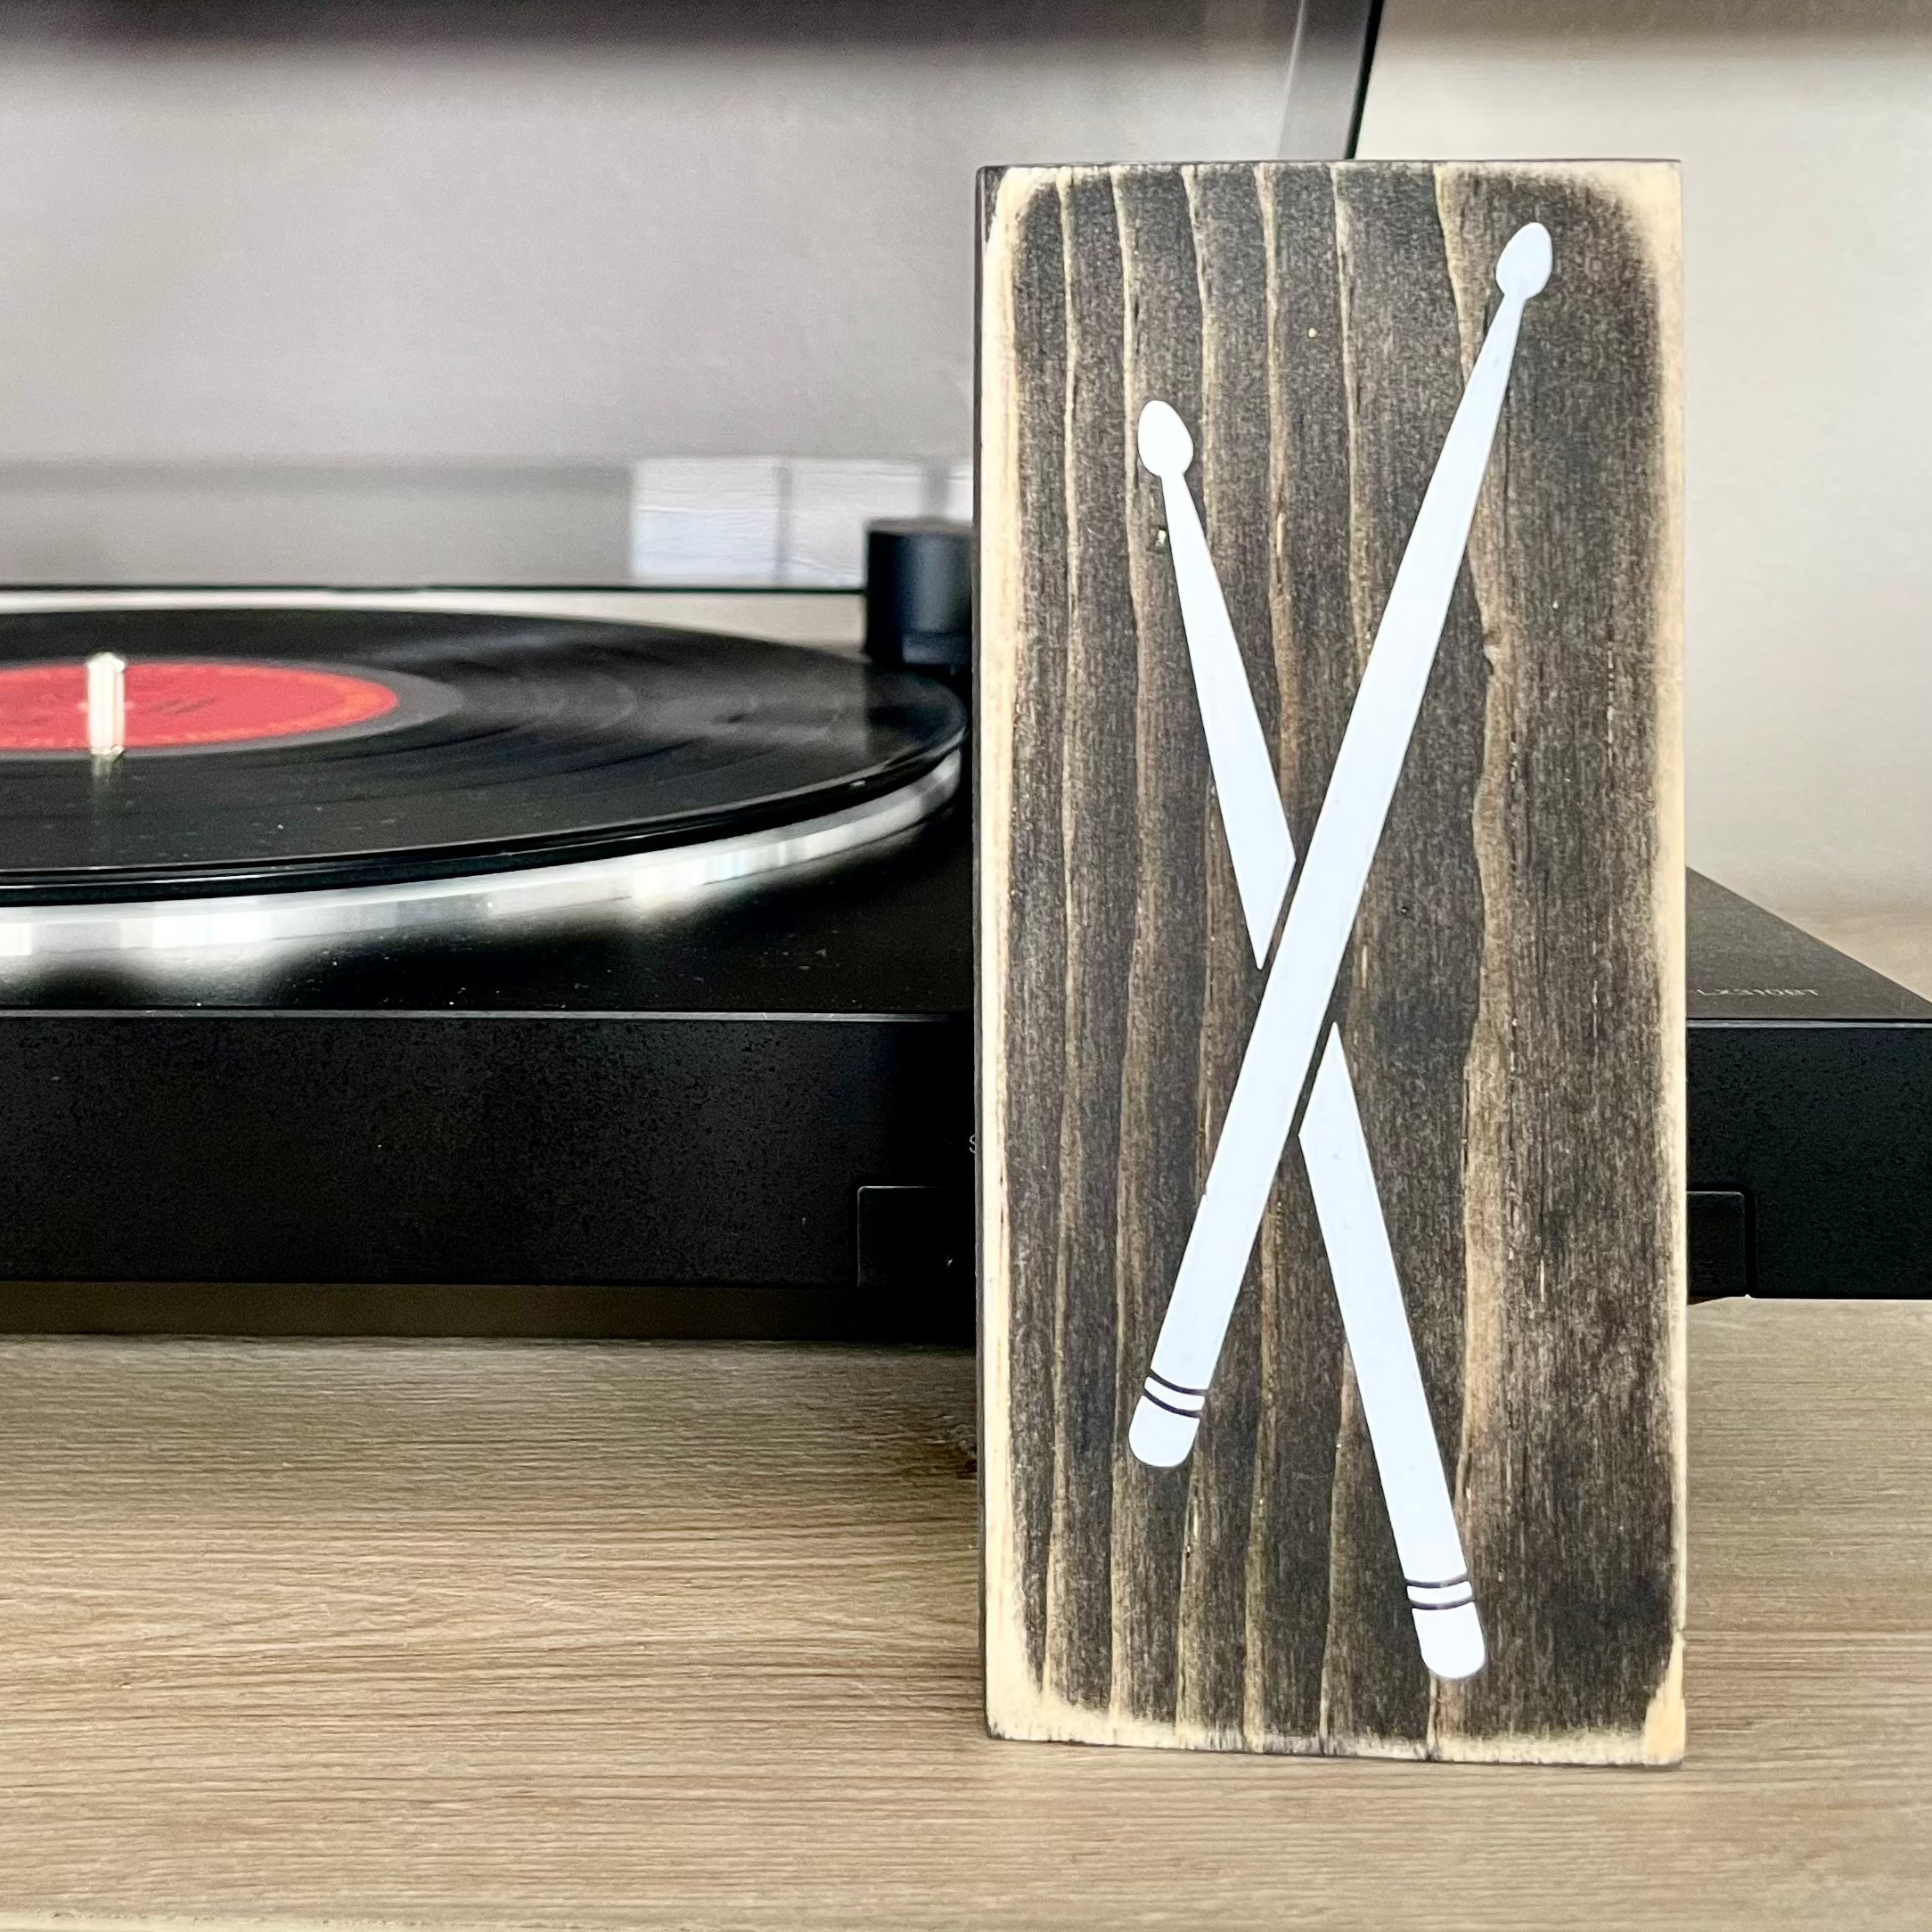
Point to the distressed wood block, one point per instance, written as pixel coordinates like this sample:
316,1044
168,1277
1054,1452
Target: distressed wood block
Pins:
1331,1020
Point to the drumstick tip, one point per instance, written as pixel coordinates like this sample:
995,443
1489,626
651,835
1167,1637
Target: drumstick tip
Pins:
1166,447
1523,267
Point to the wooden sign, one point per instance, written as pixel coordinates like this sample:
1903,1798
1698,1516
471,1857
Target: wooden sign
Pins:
1330,895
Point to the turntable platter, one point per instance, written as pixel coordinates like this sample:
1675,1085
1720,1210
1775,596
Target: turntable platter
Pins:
295,772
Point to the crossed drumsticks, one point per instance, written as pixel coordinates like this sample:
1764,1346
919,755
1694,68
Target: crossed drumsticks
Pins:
1300,986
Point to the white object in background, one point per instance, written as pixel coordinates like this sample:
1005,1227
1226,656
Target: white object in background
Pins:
822,531
1251,815
706,520
777,522
1395,1405
1322,913
106,705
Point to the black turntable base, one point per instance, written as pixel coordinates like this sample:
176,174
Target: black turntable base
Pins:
400,972
604,980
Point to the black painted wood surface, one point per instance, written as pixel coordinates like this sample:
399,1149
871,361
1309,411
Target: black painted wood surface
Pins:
1512,1001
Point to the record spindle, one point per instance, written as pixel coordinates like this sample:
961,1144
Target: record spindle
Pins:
106,705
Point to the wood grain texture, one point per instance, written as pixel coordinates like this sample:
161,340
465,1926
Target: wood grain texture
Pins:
1511,1002
468,1635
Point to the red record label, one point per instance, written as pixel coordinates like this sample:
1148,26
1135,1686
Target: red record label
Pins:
173,703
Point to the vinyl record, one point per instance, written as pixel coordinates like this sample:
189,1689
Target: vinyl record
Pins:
358,751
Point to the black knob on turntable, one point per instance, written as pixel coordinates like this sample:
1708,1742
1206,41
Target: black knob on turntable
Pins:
919,597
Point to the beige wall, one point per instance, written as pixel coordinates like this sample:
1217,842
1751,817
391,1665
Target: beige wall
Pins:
1806,138
383,291
393,292
661,238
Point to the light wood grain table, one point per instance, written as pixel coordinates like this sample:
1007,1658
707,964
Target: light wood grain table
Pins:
496,1634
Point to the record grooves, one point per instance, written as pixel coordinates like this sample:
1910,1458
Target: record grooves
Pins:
431,745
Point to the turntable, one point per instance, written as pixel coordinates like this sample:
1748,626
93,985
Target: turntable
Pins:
383,968
396,969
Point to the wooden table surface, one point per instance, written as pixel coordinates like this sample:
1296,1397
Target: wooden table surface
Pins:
494,1634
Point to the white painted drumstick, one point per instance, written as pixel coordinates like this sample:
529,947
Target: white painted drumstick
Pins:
106,705
1393,1404
1256,828
1322,913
